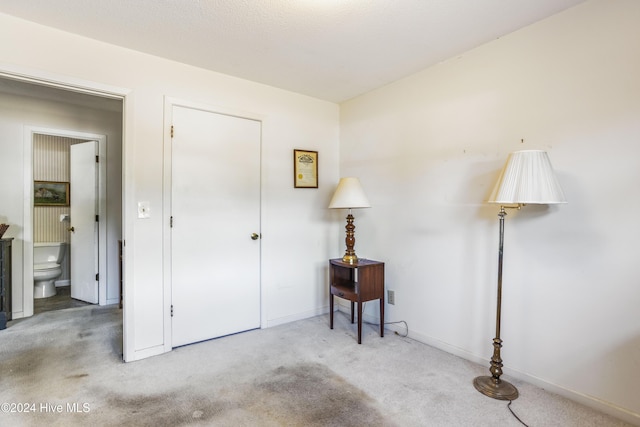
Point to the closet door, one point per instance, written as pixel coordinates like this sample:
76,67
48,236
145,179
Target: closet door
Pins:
215,209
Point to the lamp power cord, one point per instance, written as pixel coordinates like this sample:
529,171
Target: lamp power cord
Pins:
406,326
514,414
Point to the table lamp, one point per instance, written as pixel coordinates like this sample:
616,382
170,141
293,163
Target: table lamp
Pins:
349,195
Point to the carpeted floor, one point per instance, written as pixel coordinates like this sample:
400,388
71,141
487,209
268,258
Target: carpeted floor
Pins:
64,368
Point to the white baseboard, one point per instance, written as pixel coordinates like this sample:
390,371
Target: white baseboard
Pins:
60,283
590,401
17,315
365,317
295,317
147,352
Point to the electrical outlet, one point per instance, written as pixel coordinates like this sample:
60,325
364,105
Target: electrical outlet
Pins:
391,297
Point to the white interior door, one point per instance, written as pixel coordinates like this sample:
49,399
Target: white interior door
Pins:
215,208
84,228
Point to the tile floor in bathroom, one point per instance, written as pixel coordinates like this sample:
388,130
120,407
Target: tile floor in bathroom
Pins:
60,301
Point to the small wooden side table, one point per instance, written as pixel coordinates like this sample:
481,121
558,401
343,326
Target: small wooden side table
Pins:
358,282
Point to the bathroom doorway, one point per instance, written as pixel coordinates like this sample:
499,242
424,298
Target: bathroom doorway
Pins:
77,161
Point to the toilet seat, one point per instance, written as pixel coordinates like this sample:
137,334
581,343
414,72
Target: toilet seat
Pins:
46,272
45,266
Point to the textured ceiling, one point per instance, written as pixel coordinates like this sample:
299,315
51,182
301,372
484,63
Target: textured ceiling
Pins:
328,49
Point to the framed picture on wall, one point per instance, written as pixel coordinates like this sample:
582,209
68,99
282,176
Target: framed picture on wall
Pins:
305,169
50,193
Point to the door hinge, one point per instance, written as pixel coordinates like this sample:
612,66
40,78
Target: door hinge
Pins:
97,159
171,310
171,222
97,276
97,218
171,131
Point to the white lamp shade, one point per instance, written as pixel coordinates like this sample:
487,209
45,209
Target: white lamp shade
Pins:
349,195
528,178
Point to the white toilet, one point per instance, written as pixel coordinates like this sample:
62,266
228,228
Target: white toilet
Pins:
46,267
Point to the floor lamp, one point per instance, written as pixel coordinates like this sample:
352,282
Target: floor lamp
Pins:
349,195
527,178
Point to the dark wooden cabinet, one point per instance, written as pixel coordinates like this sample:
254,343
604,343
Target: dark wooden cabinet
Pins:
5,282
359,282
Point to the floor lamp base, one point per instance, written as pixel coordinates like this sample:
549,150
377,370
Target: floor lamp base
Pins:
501,390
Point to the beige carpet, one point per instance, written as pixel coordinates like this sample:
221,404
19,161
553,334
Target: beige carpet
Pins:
298,374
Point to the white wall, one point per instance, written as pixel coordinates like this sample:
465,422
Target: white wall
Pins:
299,233
16,113
428,150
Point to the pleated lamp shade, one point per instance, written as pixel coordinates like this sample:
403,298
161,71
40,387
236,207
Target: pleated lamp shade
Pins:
349,195
528,178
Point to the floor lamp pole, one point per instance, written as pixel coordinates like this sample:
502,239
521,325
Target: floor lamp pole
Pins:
493,386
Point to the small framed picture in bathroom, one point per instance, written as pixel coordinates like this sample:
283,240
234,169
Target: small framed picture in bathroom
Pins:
50,193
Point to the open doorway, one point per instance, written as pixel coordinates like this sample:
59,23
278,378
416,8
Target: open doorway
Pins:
39,109
69,229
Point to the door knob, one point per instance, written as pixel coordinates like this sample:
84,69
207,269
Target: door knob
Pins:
72,229
254,236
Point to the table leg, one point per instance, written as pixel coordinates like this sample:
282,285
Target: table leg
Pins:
351,311
359,323
330,311
382,316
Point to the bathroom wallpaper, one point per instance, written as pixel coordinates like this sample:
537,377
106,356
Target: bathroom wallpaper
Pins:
51,163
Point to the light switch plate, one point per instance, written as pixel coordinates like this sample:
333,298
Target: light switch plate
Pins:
144,211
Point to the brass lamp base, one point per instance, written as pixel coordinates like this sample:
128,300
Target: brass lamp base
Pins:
350,255
350,259
499,389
